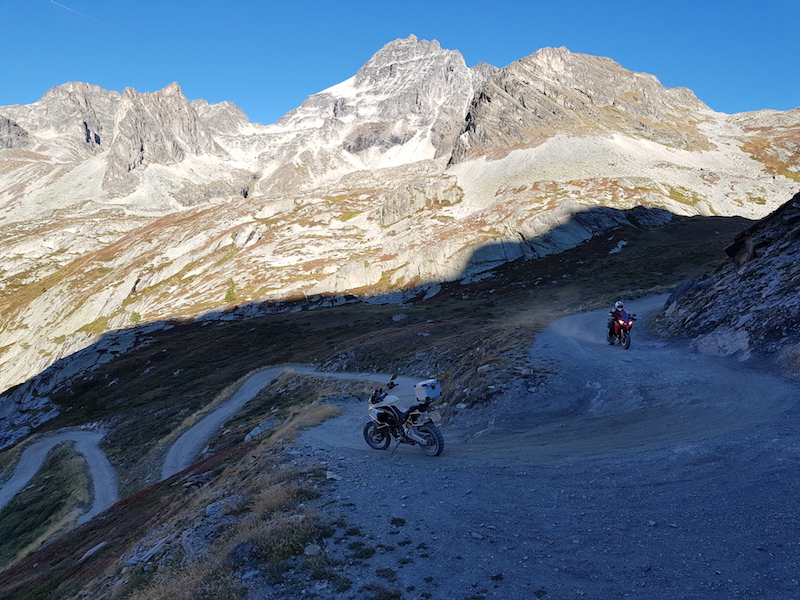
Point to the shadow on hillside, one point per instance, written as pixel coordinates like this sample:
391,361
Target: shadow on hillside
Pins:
77,374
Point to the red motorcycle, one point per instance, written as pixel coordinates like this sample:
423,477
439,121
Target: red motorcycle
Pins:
620,330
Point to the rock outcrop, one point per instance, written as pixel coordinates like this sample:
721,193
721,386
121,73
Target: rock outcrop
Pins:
428,192
12,135
751,304
153,128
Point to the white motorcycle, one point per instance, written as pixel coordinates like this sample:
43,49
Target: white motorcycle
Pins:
414,422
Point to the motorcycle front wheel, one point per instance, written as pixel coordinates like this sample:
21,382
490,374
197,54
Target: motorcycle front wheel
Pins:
625,339
433,438
376,437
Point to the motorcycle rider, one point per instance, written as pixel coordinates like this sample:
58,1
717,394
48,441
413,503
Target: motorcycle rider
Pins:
619,312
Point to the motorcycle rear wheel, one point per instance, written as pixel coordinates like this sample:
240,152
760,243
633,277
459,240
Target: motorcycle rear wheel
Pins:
434,439
377,437
625,339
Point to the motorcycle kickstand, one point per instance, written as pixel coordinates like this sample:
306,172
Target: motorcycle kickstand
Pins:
395,446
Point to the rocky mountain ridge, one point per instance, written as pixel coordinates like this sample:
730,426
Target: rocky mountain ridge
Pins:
122,209
160,128
555,91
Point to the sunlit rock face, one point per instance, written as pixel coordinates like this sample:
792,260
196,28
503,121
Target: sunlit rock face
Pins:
160,128
555,91
406,104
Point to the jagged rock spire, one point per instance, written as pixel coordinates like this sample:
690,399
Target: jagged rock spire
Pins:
159,127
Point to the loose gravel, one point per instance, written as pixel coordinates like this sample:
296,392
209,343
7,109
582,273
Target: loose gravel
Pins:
648,473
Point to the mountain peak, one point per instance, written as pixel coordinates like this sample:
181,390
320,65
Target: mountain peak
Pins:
605,79
556,91
159,127
389,61
570,66
76,88
173,89
79,113
555,57
408,100
411,45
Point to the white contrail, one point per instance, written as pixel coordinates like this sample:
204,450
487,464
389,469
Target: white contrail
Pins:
72,10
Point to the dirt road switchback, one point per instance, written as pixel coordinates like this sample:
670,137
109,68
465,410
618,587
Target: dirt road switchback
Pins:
104,479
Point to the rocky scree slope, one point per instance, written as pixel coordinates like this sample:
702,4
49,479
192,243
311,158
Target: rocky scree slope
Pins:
121,209
750,304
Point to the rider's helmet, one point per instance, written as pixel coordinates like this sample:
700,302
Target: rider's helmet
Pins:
618,305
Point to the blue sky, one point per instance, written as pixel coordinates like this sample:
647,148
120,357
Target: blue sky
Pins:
268,56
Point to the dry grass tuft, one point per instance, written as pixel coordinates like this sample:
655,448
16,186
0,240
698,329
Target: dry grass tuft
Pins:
267,502
271,541
190,582
305,418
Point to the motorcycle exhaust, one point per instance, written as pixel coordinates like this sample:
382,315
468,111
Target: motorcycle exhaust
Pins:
416,437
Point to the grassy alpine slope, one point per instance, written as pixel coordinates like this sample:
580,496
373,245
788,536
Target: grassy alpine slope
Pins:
472,337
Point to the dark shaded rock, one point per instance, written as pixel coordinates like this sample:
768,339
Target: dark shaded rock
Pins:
12,135
782,228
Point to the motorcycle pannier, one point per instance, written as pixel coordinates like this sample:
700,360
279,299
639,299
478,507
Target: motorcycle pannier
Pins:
428,389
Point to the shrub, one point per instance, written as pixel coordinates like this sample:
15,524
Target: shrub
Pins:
230,294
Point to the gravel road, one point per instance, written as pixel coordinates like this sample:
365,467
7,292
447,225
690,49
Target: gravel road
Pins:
647,473
104,478
183,453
